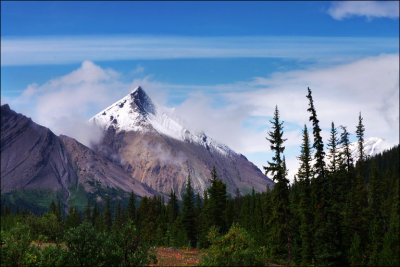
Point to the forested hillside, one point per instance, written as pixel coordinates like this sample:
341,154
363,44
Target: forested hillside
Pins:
339,213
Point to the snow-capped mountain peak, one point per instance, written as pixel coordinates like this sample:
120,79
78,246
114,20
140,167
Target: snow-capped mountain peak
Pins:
372,147
137,112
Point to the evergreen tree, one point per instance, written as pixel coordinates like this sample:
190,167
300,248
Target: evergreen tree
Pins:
390,253
204,222
275,138
305,170
279,235
318,145
59,212
52,207
188,214
87,211
73,218
217,202
305,205
333,153
131,208
95,213
346,160
107,215
360,135
172,207
118,215
375,216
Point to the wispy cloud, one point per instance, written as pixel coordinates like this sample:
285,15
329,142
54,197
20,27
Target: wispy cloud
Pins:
369,85
370,9
72,49
63,103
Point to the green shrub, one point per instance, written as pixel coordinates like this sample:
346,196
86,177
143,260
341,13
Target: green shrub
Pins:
46,225
129,248
84,246
17,248
236,248
52,256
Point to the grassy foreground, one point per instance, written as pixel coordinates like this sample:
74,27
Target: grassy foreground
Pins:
168,256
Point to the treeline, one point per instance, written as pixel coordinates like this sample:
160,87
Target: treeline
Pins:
337,212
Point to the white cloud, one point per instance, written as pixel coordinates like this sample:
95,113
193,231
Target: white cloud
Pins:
370,9
72,49
229,114
370,85
139,69
63,103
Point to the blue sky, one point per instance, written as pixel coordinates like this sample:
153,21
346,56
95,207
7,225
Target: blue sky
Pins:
223,65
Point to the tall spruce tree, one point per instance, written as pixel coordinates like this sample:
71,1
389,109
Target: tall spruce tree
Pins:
88,212
305,208
95,213
279,234
318,145
217,202
172,207
131,208
305,171
333,153
189,215
53,207
107,215
59,214
360,136
375,216
346,160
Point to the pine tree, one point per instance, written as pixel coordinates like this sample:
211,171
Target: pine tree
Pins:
131,208
275,138
305,205
58,211
95,213
346,160
204,222
172,207
188,214
87,212
318,145
305,171
107,215
73,218
217,202
360,135
375,216
333,153
118,215
52,207
390,253
279,235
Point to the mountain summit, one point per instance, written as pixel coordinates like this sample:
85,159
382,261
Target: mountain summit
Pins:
158,150
137,112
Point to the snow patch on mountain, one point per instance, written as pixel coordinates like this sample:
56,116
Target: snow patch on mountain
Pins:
137,112
372,147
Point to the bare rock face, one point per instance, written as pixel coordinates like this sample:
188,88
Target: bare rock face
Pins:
165,163
94,171
157,150
32,157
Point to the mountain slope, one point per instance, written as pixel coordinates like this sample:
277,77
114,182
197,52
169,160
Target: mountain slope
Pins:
158,150
96,172
32,157
38,167
372,147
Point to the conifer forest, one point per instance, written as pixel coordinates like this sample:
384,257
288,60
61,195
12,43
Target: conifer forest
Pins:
339,211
